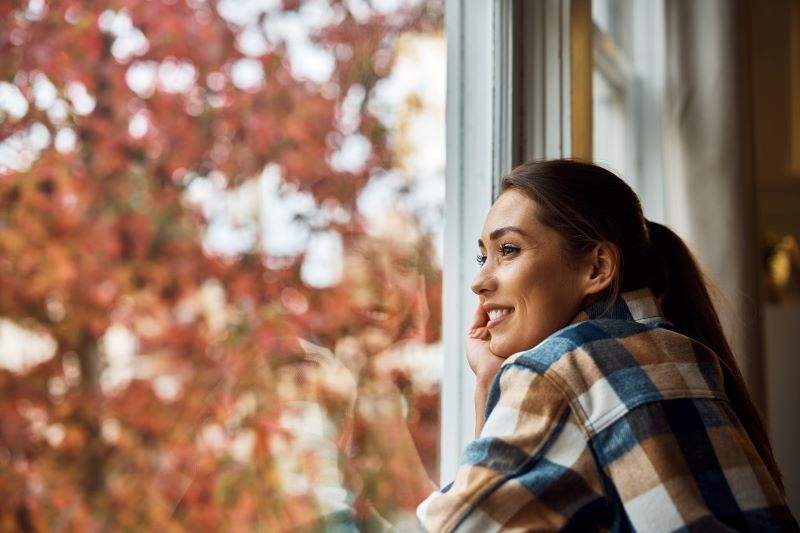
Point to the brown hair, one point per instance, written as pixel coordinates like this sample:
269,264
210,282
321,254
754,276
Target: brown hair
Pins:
587,204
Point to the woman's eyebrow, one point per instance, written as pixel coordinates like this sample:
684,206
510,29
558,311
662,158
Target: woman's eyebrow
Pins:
499,232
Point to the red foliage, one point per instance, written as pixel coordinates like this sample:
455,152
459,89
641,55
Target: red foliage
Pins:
102,236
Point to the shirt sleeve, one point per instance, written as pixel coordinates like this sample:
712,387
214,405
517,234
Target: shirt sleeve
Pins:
527,469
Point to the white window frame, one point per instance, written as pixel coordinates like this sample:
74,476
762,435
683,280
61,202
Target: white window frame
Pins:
497,113
470,132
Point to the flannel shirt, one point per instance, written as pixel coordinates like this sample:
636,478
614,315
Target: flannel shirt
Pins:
611,423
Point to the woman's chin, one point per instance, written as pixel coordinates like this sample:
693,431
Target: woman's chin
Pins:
498,349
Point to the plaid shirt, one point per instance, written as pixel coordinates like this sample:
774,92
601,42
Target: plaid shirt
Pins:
613,423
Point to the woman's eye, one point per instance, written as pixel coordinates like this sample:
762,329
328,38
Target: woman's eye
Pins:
504,250
508,249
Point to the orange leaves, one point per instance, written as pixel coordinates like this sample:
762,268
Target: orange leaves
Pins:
101,236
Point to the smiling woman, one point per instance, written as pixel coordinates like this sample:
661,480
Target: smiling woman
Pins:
525,284
606,395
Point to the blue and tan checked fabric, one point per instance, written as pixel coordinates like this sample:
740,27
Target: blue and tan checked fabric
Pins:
613,423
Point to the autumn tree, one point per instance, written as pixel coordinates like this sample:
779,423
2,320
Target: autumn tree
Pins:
114,109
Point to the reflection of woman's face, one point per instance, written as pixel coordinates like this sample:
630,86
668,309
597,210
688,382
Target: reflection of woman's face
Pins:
383,280
525,284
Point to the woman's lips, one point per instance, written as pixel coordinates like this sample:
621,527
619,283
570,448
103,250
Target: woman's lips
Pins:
504,316
378,315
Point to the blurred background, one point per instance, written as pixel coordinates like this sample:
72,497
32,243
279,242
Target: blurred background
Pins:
697,105
222,240
220,250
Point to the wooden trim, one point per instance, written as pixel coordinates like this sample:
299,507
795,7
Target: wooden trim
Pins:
580,26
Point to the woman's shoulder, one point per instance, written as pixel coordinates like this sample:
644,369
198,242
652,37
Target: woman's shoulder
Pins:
607,367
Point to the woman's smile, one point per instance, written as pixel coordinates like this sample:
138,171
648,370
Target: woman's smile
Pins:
497,314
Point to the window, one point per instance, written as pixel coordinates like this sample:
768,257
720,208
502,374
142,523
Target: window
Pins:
220,260
510,70
613,87
627,86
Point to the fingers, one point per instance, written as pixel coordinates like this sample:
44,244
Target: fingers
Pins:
477,329
481,334
479,319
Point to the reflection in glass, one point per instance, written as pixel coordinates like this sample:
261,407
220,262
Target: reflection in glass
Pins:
220,263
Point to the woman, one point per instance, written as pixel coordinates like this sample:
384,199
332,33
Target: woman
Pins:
606,394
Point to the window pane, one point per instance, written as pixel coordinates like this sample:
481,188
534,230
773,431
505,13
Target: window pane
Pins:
220,261
615,19
613,86
610,124
628,94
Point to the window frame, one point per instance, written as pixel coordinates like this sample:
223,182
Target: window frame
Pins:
510,98
508,89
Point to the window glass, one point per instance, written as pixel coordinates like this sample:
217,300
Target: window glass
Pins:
613,88
615,19
220,263
628,95
610,123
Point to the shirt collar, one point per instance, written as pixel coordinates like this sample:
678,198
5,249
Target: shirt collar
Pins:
639,305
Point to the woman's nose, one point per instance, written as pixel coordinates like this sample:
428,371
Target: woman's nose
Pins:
484,281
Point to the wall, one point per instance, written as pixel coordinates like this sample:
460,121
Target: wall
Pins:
775,72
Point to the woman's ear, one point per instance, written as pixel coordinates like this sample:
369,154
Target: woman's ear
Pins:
602,265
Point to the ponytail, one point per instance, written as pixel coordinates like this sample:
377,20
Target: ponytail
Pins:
686,303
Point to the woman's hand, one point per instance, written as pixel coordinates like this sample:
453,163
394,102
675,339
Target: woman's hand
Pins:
481,360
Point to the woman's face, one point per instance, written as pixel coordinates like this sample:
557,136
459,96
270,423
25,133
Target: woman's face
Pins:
526,285
384,282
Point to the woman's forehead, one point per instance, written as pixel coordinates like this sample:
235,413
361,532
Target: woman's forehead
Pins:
512,208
